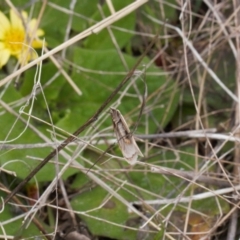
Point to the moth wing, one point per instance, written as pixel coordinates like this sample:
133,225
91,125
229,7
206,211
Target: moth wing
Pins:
130,153
119,138
124,122
137,148
129,150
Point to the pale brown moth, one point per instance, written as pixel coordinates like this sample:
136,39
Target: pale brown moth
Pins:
126,141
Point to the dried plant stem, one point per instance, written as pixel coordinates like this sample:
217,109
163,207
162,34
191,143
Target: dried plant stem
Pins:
236,170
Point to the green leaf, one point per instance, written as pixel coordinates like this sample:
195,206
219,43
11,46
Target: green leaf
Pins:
14,227
15,131
54,22
112,210
103,72
84,9
103,40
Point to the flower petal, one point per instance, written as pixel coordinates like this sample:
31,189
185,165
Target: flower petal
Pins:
4,24
32,27
15,20
40,32
12,35
4,56
26,55
38,44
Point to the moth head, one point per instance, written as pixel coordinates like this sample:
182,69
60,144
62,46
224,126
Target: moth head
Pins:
115,114
111,111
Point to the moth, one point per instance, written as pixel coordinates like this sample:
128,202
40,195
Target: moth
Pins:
126,141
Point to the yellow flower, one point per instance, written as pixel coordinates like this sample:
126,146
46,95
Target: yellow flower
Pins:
15,37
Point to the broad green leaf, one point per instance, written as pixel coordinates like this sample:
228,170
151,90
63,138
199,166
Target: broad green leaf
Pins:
103,40
15,131
103,72
54,22
84,10
14,227
113,211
